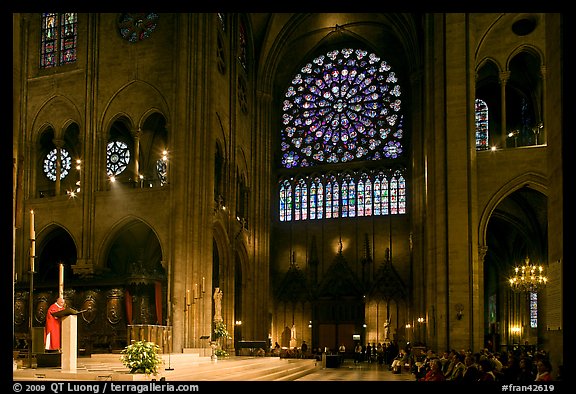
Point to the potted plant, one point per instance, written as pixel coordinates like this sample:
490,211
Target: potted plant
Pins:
142,357
220,332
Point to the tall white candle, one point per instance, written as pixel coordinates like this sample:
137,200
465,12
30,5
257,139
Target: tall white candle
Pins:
203,284
32,231
61,281
188,297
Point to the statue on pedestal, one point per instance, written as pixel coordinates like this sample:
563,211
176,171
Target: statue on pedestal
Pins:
387,329
217,304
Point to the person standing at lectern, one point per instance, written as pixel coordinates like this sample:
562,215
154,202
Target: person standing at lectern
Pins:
52,329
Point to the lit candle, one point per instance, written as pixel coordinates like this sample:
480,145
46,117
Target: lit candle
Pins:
61,281
188,297
32,232
203,284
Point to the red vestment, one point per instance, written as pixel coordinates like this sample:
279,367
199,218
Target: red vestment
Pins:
52,327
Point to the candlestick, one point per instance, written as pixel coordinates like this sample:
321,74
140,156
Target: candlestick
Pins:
32,254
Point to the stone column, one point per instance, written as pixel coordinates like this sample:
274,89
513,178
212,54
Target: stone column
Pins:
504,76
136,135
59,144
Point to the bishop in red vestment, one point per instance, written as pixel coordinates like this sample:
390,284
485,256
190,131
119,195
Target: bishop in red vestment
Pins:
52,329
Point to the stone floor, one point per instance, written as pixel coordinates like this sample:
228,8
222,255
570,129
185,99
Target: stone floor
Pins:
193,368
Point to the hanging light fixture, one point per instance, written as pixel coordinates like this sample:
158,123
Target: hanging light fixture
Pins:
528,278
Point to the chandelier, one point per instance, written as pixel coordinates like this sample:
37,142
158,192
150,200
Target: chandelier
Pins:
528,278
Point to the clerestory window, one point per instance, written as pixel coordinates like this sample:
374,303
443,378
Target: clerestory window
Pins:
59,39
481,111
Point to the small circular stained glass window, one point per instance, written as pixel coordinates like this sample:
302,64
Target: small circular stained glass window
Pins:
118,157
136,27
50,164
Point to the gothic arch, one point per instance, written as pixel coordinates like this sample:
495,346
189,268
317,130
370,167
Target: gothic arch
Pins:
115,231
123,101
486,61
54,244
532,180
59,111
531,50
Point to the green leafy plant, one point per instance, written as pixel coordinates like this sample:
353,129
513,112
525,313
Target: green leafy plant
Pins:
142,357
221,353
220,330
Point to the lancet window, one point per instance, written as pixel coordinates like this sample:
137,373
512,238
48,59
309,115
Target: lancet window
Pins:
59,39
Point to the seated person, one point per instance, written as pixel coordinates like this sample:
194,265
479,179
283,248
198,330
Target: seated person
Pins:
399,361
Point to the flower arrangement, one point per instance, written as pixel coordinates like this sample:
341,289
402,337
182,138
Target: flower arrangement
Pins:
221,353
220,330
142,357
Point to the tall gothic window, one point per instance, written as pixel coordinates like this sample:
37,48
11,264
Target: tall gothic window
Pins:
481,125
242,46
285,201
59,39
364,196
397,194
343,107
316,199
533,309
301,200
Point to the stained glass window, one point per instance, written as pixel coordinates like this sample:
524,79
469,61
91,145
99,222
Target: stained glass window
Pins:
242,46
481,124
117,157
316,199
332,198
397,194
533,309
400,192
364,196
301,200
344,196
348,197
381,196
50,164
59,36
162,171
285,201
343,106
135,27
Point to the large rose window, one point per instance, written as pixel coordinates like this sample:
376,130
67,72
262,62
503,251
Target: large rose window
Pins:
344,106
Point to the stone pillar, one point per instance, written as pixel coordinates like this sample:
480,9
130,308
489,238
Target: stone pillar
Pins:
504,76
539,133
59,144
136,135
